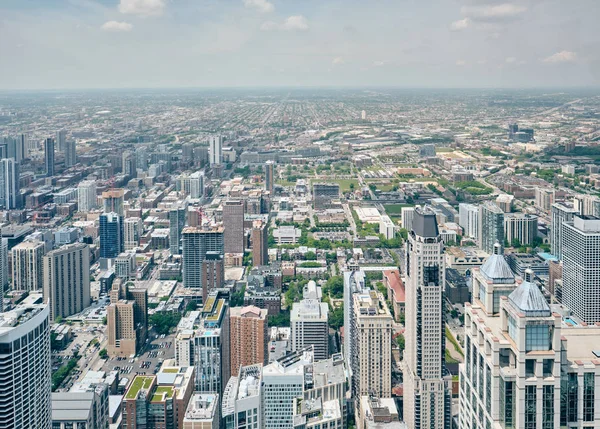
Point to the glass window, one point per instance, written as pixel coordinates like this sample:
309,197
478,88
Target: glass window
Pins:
512,328
588,397
530,411
548,408
537,338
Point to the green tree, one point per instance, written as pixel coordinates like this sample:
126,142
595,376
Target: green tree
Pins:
164,321
400,342
191,306
336,318
103,354
334,287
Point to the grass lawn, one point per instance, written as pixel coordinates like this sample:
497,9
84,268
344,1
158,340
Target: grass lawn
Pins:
395,209
345,184
443,149
285,183
451,338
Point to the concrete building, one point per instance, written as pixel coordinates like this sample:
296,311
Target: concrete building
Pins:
3,269
309,321
113,201
387,227
520,227
491,226
581,267
125,266
260,243
196,242
561,212
379,413
127,320
270,176
233,226
49,157
287,234
213,273
67,280
177,218
28,266
81,409
65,236
10,197
427,382
242,400
324,194
111,235
215,151
469,219
407,214
544,198
133,229
70,153
26,382
249,337
203,412
87,198
61,140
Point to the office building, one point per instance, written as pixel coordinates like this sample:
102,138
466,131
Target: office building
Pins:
65,236
61,140
544,198
203,412
10,197
49,157
260,243
379,413
233,225
581,267
469,219
132,232
520,228
213,273
196,242
87,198
249,337
67,280
125,266
126,320
111,235
113,201
407,214
241,407
387,227
427,383
177,218
26,382
561,212
202,341
28,266
491,226
216,150
196,181
527,367
270,175
324,194
70,153
309,321
87,409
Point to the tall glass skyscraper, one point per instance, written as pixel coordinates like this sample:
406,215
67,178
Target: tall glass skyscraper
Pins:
111,235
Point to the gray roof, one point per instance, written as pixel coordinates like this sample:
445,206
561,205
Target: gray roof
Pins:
69,406
496,269
528,298
425,223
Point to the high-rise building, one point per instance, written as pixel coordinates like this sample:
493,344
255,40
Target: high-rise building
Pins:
202,341
70,153
520,227
213,273
26,382
309,320
196,242
249,337
111,235
544,198
203,412
243,411
469,219
324,194
87,198
113,200
561,212
581,267
588,205
216,150
132,231
126,320
10,197
28,266
491,226
427,383
85,408
177,218
129,164
269,175
196,185
233,225
260,243
61,140
3,269
407,214
387,227
67,280
49,156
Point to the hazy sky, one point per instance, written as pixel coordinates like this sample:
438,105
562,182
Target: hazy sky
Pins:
205,43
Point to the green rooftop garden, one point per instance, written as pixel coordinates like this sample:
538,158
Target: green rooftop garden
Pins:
139,383
163,392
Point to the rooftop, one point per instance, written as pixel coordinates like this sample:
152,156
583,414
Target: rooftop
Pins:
202,406
163,393
140,383
72,406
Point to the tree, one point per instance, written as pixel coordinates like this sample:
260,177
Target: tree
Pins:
191,306
281,320
237,297
103,354
400,342
334,287
164,321
336,318
352,186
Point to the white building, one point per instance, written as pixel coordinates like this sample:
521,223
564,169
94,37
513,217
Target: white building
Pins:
427,383
287,234
133,228
469,219
28,266
196,181
241,407
125,267
215,150
9,184
522,227
203,412
309,321
544,198
561,212
87,198
407,214
387,227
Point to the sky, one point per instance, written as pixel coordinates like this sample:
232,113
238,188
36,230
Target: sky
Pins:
72,44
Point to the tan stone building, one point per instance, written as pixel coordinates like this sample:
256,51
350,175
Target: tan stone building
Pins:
248,336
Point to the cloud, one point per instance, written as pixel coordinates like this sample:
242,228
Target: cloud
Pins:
379,63
142,7
337,61
291,23
461,24
496,12
461,63
561,57
116,26
510,60
262,6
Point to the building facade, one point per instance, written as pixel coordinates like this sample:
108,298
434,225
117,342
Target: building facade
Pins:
249,337
561,212
233,225
28,266
196,242
491,226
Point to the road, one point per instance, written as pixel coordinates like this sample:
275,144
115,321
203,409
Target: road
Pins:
350,218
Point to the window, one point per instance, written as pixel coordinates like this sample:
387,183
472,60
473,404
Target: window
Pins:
530,411
537,337
548,408
588,397
512,328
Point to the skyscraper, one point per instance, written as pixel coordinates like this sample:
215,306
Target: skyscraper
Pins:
309,321
177,218
269,175
260,243
491,226
67,280
111,235
427,383
561,212
3,269
249,337
49,157
132,231
581,267
195,243
522,227
126,320
10,197
213,273
113,201
28,266
469,219
70,149
216,150
233,225
129,164
26,382
61,140
87,199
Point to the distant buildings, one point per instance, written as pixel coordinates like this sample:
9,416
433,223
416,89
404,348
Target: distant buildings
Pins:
127,320
87,198
491,226
469,219
260,243
28,266
521,228
407,214
324,194
113,201
215,151
49,157
233,226
561,212
270,176
248,337
70,153
111,235
10,197
177,218
196,242
387,227
213,273
132,232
